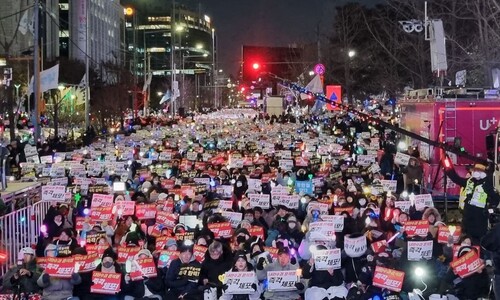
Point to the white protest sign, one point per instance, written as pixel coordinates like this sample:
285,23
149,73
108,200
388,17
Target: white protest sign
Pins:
233,217
239,282
338,221
290,201
286,164
53,193
389,185
419,250
282,280
254,185
286,154
402,159
327,259
226,191
403,205
322,207
59,181
374,168
205,181
355,247
365,160
191,155
30,151
225,204
165,156
423,201
322,230
101,200
57,172
259,200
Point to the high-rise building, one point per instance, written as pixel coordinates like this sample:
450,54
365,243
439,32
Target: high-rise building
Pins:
106,29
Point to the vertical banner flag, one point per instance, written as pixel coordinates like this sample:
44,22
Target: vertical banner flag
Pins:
334,93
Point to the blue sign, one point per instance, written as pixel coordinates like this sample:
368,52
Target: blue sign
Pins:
305,187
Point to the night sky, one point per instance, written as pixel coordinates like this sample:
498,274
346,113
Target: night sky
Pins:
265,23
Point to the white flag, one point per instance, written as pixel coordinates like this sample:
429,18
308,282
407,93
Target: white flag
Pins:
82,83
461,78
49,79
315,86
24,23
147,82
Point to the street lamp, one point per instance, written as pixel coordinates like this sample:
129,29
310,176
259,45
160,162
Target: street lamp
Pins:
351,53
347,73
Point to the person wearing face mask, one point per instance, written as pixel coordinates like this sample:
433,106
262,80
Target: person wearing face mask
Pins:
476,196
241,264
183,275
293,230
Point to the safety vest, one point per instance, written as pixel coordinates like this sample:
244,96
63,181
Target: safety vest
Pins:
478,198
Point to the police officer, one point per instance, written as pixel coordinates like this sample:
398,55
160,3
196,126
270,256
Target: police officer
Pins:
476,196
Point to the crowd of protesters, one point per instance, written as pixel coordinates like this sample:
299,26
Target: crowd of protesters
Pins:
192,211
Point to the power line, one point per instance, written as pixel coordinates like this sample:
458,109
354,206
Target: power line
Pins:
17,13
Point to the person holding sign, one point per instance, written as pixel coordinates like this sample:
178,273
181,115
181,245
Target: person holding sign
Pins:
476,196
183,275
57,288
250,283
327,283
288,289
149,285
108,265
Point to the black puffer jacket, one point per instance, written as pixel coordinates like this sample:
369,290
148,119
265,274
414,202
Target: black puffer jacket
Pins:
211,269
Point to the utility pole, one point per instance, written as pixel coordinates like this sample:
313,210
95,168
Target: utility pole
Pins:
87,63
172,58
36,71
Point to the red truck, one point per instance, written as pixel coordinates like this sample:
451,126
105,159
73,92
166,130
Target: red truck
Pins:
462,117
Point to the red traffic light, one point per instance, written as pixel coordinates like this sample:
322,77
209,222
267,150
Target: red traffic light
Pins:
256,66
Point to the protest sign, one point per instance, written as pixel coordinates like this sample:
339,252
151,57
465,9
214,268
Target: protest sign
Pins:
221,229
388,279
419,227
105,283
60,267
53,193
282,280
419,250
239,282
467,265
259,200
327,259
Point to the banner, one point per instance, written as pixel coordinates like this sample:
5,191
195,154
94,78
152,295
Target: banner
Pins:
239,282
125,253
420,228
49,80
305,187
199,252
444,233
221,229
257,231
144,267
338,221
388,279
402,159
124,208
467,265
105,283
166,218
327,259
389,185
86,263
145,211
290,201
60,267
281,280
98,214
419,250
93,238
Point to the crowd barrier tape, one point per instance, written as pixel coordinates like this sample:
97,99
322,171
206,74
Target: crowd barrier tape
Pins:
20,229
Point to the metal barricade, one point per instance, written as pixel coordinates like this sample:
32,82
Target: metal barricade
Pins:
20,229
16,232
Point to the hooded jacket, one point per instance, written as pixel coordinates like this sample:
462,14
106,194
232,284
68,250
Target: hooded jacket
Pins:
278,295
58,288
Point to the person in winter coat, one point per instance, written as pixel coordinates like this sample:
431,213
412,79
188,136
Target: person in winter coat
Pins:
108,265
241,264
183,275
283,263
217,261
22,278
57,288
491,242
147,288
432,215
476,196
323,284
